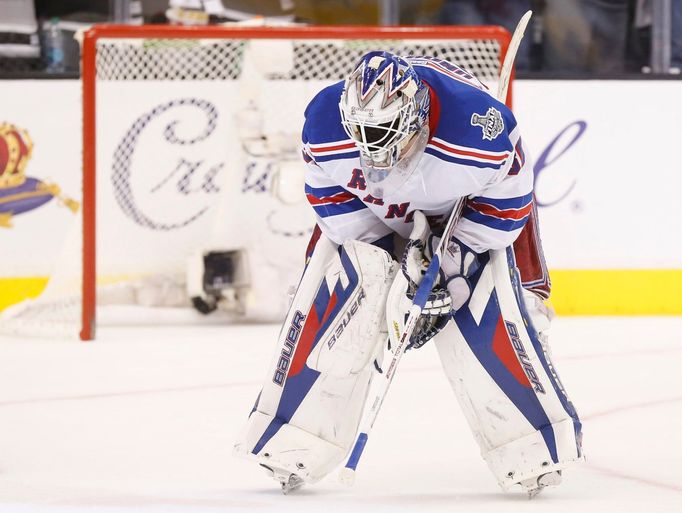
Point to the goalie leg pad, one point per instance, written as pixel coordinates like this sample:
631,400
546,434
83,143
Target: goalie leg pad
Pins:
502,375
306,416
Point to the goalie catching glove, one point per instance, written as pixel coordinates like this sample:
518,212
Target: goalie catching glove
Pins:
451,291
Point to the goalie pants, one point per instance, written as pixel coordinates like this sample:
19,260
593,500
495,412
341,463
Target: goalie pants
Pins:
530,259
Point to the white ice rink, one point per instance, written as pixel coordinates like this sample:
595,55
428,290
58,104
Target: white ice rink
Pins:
144,419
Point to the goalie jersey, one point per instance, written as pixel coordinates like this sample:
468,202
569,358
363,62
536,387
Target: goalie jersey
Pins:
474,151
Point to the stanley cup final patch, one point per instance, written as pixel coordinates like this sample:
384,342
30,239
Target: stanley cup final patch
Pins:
491,124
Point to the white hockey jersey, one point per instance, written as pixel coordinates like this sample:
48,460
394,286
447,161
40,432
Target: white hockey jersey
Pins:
474,151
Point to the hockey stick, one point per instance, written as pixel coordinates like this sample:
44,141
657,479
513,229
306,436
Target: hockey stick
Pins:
505,72
347,474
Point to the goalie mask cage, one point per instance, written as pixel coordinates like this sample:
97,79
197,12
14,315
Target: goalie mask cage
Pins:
221,84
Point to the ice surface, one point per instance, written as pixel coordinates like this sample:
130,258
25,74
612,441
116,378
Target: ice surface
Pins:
143,420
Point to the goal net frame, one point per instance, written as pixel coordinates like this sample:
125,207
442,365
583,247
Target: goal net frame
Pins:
89,83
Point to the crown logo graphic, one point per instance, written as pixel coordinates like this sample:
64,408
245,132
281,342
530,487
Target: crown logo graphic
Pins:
15,151
18,192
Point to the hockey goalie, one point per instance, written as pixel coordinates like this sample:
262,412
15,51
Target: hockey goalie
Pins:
390,152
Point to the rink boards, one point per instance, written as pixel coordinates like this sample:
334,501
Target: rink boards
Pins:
606,184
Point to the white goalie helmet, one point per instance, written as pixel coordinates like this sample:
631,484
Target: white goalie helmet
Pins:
384,109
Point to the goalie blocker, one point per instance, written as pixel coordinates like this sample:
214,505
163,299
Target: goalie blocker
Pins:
331,346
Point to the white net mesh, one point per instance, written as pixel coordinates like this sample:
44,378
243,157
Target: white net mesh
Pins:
167,59
195,141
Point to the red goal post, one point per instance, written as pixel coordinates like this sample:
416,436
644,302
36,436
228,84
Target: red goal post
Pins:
494,37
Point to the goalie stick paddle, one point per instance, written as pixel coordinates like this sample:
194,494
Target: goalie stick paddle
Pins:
347,474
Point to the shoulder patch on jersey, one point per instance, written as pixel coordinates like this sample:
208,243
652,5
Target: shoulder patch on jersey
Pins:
491,123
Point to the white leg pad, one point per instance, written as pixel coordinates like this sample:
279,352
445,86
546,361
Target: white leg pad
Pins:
293,449
528,457
501,372
305,418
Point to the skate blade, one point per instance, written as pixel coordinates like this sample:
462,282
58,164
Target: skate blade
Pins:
292,483
534,486
287,481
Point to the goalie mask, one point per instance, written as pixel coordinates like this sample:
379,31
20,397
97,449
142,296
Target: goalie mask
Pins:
384,108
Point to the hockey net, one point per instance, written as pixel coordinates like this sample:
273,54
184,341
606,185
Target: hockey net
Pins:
191,140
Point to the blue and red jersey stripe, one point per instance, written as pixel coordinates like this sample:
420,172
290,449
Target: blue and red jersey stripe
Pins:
332,201
507,214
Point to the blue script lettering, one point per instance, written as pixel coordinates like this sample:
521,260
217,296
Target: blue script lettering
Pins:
185,172
550,155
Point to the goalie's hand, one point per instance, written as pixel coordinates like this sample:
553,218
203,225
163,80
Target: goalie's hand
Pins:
459,262
438,307
413,266
451,291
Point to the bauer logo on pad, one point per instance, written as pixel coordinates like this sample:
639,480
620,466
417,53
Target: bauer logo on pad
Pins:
491,124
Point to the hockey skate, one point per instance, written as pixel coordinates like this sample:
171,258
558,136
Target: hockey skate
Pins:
535,485
287,480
